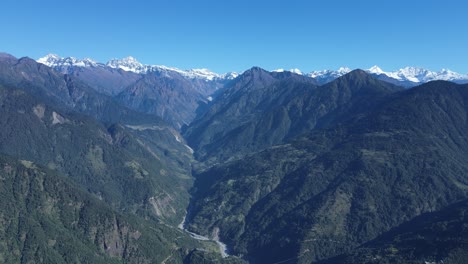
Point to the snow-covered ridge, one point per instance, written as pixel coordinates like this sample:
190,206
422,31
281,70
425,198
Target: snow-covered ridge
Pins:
414,75
417,74
296,71
408,74
130,64
53,60
329,74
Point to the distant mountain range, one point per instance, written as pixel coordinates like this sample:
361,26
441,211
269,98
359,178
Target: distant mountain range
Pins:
178,96
86,179
170,93
407,76
129,64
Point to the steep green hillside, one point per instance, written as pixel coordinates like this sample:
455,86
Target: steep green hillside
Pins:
261,109
436,237
47,219
169,93
169,146
67,91
337,188
111,163
172,97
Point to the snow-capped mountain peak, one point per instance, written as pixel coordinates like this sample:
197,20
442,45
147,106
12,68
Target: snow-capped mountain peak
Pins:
204,73
375,69
414,75
127,64
410,75
295,70
230,75
446,74
344,70
131,64
65,64
325,76
49,59
418,74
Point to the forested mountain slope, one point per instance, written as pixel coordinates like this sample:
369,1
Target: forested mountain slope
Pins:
107,161
333,189
261,109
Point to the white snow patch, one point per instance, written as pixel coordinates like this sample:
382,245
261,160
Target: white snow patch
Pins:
229,76
296,71
419,75
130,64
55,61
375,69
329,74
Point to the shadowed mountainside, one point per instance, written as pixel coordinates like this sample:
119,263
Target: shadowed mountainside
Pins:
110,162
47,219
260,109
336,188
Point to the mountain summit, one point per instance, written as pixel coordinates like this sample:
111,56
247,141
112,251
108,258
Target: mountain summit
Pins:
407,76
53,60
130,64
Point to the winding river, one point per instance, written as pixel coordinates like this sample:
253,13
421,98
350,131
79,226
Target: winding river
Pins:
222,246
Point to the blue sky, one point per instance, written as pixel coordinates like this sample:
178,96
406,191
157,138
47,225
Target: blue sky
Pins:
235,35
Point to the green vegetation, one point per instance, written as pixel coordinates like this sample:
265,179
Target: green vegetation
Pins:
110,162
67,92
355,171
45,218
261,109
436,237
336,188
168,95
